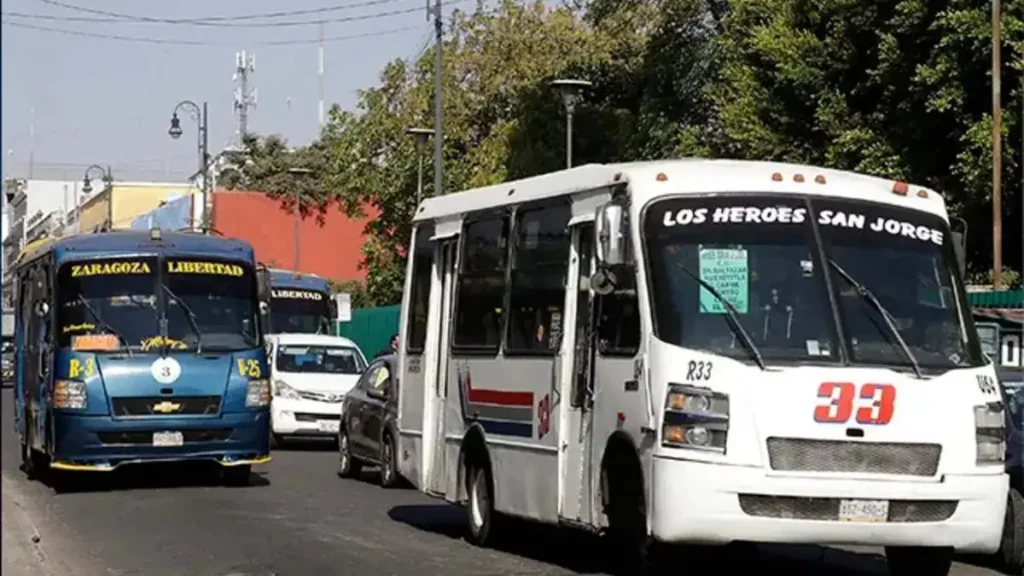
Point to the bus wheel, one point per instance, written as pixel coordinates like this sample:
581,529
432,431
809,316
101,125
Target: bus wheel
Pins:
480,510
237,475
1011,549
918,560
627,529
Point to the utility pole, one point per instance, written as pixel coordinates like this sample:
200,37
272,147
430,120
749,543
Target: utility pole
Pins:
997,148
320,76
245,99
438,98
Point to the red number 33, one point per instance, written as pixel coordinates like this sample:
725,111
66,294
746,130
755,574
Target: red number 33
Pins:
878,401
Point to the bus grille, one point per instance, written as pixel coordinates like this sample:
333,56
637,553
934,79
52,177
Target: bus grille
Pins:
827,509
167,406
803,455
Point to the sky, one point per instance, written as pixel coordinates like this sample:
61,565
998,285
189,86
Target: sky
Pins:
105,101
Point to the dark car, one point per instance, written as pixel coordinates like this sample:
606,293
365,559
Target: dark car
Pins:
369,423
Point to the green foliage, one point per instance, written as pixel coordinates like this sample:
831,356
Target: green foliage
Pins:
895,88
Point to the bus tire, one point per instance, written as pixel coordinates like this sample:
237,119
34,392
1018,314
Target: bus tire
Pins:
1011,549
236,475
480,502
622,490
918,560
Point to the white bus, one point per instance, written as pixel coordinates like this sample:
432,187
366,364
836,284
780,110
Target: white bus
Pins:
703,351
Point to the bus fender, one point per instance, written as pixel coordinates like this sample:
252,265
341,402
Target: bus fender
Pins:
474,447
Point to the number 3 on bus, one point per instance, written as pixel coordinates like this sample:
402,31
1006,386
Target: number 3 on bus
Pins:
877,410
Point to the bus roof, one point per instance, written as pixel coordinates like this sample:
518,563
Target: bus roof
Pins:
689,175
129,241
280,278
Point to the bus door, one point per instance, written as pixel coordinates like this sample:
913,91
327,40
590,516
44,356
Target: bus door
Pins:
36,361
445,256
577,384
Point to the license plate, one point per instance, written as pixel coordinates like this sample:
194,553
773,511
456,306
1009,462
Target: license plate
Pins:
328,425
863,510
168,439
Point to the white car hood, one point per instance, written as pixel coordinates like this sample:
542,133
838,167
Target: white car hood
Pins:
321,383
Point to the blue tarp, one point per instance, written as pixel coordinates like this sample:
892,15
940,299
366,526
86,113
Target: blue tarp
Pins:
176,214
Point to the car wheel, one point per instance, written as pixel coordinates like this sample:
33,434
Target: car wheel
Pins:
348,467
388,465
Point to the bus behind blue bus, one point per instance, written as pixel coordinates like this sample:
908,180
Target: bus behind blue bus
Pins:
297,303
137,347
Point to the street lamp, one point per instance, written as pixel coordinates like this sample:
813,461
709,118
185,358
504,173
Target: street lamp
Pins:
298,217
422,135
572,93
199,115
105,175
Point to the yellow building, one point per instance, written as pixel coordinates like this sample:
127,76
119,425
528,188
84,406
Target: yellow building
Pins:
115,207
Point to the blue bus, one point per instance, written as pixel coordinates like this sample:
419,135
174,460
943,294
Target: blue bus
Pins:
139,346
297,303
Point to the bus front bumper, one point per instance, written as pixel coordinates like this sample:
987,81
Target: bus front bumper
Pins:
102,443
697,502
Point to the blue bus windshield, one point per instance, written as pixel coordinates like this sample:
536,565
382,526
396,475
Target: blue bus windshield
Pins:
107,304
299,311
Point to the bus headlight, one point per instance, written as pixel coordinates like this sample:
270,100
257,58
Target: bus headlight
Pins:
696,418
990,433
257,394
70,395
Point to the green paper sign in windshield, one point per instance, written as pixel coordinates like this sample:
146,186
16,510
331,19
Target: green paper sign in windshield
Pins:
728,272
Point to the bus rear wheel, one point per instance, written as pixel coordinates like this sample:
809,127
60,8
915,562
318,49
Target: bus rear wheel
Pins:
918,560
1011,548
480,507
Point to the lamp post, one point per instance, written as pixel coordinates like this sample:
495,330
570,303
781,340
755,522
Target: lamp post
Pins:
298,216
571,91
422,135
199,115
108,182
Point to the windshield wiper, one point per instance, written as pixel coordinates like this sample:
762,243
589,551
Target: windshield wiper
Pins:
192,320
731,314
868,295
104,324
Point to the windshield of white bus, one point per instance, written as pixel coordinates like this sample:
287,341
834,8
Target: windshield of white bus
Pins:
319,359
764,256
107,304
299,311
221,297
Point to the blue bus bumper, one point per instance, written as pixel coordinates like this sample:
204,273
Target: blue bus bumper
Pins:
102,443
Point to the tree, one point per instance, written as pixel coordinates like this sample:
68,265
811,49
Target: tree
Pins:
492,60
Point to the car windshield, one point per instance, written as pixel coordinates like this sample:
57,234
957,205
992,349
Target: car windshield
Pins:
299,312
220,297
319,359
106,304
760,254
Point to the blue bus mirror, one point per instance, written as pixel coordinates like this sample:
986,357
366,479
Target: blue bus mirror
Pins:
960,251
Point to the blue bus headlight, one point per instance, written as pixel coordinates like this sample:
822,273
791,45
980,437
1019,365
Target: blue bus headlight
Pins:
70,395
257,394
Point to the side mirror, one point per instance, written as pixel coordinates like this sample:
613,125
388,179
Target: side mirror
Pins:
264,307
603,282
611,239
375,394
42,309
960,250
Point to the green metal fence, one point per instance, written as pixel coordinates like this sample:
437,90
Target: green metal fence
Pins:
371,328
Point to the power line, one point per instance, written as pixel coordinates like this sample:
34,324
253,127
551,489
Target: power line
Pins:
281,24
180,42
222,18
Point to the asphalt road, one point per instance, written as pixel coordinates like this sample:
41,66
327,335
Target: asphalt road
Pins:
296,519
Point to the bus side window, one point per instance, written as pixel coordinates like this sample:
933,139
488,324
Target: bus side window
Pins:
419,301
479,313
538,280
